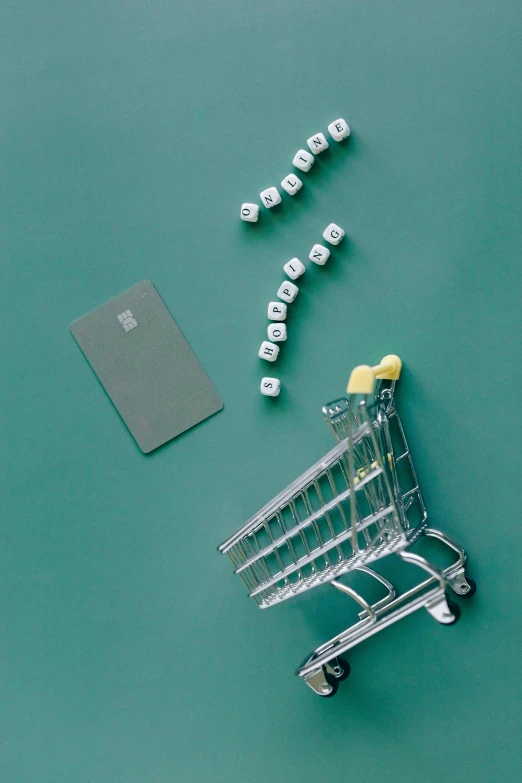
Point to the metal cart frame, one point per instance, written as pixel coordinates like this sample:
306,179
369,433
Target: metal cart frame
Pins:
358,504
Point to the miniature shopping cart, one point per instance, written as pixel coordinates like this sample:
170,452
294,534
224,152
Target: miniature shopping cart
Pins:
358,504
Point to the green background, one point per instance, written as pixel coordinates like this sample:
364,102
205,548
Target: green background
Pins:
130,132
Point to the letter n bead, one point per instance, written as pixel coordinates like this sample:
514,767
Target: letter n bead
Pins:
268,351
270,197
317,143
319,254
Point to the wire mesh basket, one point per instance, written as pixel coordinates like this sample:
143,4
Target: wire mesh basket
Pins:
356,505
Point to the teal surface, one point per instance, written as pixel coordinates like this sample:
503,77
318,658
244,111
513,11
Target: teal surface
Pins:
130,132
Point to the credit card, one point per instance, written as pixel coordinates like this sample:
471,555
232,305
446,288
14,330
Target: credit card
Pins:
146,366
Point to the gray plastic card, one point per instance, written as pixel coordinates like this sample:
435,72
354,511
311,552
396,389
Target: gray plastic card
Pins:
146,366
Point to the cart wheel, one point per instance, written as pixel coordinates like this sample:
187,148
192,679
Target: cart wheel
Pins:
455,610
334,684
345,666
472,588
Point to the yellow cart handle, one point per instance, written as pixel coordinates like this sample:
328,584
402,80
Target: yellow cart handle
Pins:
362,378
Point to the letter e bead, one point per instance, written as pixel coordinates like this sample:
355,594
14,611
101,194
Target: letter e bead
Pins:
339,130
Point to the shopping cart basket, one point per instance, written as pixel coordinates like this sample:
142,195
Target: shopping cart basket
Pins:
358,504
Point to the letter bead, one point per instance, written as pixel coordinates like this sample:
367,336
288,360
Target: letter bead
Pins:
303,160
288,291
276,333
277,311
268,351
333,234
339,130
270,197
317,143
291,184
319,254
249,212
270,387
294,268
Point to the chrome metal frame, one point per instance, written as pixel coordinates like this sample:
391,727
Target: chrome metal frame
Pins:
319,529
429,594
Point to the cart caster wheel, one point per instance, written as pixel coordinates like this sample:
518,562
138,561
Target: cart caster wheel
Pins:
345,666
333,682
472,589
455,611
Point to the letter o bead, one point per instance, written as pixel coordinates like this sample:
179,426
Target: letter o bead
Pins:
249,212
276,332
270,387
319,254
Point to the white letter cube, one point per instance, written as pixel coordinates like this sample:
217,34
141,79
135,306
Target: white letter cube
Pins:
303,160
333,234
291,184
319,255
277,311
270,197
294,268
317,143
339,130
276,332
268,351
287,291
249,212
270,387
